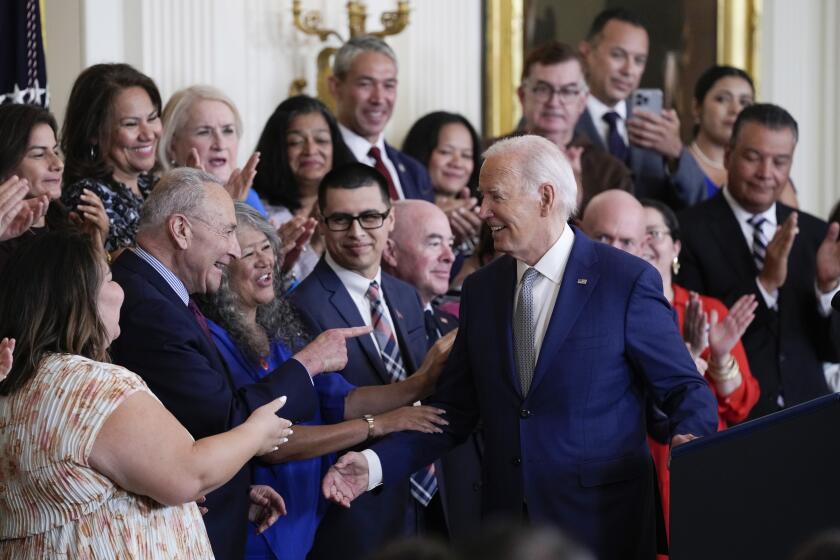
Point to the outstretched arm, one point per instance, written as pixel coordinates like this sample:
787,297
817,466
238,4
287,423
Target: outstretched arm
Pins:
347,479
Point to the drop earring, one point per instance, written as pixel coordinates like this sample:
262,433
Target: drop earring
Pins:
675,266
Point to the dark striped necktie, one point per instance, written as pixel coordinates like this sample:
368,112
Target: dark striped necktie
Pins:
383,331
759,248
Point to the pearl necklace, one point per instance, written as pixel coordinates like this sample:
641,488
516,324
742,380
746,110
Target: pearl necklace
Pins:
695,149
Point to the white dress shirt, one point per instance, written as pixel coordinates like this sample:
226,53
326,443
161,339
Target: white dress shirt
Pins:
551,267
771,299
547,285
597,110
357,286
360,148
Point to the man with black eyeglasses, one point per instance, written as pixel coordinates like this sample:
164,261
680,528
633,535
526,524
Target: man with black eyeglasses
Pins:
349,288
553,95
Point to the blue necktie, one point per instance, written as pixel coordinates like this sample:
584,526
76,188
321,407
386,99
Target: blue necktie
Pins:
615,143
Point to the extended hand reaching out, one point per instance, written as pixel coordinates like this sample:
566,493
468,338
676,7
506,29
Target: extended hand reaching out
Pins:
347,479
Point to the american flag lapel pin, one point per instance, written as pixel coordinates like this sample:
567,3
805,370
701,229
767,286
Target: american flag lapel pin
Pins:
401,167
582,281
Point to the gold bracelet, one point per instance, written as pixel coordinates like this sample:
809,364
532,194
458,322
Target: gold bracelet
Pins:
369,419
729,373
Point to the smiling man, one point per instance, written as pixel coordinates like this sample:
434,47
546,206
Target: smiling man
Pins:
185,238
348,288
744,241
615,54
364,86
560,343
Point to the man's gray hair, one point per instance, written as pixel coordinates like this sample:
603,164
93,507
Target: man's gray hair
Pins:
539,161
354,47
179,191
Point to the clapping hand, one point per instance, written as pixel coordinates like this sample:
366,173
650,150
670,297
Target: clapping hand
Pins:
695,326
17,214
240,180
90,215
828,260
774,272
294,235
347,479
724,335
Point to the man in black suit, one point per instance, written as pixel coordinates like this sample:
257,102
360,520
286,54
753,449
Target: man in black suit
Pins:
419,251
186,236
744,241
615,53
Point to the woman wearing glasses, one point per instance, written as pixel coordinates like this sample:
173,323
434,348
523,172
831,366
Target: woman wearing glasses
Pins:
710,331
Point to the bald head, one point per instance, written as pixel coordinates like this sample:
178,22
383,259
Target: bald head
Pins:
616,218
419,249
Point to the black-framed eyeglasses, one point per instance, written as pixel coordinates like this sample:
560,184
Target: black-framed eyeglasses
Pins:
543,92
367,220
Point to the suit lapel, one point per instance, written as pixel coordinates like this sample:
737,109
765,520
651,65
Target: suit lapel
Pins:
405,182
729,236
579,281
347,310
400,327
502,317
587,126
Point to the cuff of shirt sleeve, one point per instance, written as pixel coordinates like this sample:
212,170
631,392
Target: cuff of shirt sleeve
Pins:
374,468
770,299
824,300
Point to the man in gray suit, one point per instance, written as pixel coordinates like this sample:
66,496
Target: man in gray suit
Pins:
615,53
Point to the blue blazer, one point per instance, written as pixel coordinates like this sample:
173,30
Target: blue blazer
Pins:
685,187
161,341
414,178
324,303
573,450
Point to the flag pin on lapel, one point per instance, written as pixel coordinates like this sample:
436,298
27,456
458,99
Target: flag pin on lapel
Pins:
582,281
444,320
402,167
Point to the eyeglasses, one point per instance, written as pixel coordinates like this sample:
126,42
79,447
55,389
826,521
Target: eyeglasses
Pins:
367,220
658,234
543,92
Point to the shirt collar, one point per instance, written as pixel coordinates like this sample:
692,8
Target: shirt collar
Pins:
553,262
598,109
360,145
169,276
743,215
354,282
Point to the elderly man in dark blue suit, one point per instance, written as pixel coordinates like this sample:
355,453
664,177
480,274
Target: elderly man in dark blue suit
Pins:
186,235
560,343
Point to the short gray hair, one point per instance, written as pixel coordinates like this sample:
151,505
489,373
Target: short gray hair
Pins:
354,47
177,111
180,191
540,161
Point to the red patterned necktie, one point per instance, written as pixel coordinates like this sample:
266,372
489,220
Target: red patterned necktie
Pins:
379,165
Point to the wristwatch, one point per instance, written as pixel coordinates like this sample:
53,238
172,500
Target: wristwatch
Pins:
369,419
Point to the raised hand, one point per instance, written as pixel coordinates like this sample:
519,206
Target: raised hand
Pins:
275,430
724,335
434,361
294,235
266,506
424,419
7,348
347,479
828,260
240,180
92,215
194,160
695,326
660,133
774,273
463,216
16,214
328,352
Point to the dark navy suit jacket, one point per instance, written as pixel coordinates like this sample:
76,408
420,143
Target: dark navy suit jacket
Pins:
414,178
785,348
324,303
161,341
572,451
651,179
